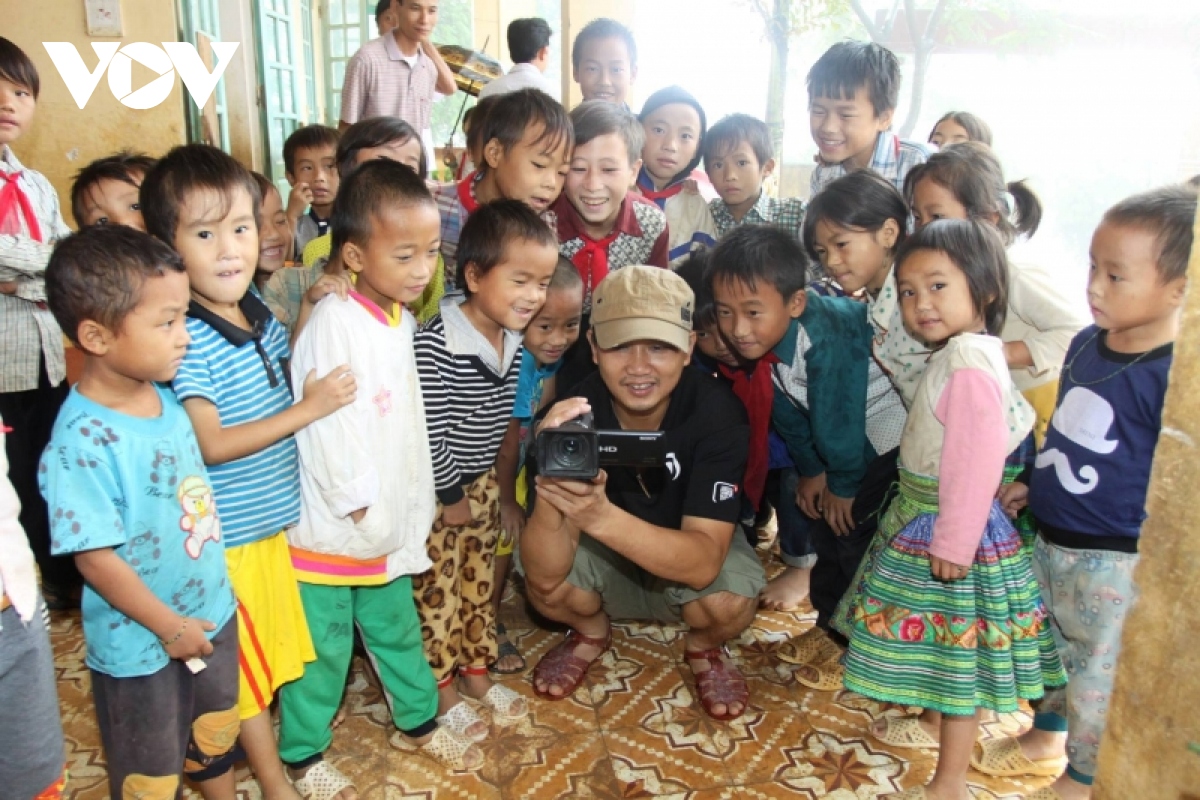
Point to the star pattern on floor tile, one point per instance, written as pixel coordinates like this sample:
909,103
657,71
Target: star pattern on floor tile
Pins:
825,763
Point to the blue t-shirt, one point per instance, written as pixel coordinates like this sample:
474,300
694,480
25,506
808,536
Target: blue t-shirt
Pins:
531,382
138,486
245,375
1093,471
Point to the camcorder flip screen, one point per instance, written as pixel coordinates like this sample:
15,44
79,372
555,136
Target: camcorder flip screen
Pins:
577,450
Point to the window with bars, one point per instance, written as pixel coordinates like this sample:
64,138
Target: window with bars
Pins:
348,25
282,81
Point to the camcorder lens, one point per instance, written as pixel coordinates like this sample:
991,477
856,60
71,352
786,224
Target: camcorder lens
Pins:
569,452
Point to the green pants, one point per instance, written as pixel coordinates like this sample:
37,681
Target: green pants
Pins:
387,619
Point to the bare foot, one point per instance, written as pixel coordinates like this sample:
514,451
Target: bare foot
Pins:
338,718
1039,745
786,591
929,723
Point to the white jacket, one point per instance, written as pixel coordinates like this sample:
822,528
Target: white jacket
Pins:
372,454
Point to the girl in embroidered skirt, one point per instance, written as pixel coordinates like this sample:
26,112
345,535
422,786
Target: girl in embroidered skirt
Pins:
945,613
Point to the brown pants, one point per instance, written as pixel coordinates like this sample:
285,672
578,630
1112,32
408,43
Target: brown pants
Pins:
454,598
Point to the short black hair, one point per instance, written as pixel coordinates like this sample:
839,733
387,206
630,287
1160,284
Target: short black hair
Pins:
309,137
977,130
596,118
185,169
862,200
369,190
381,8
848,65
526,37
732,131
976,248
374,132
603,28
752,253
18,68
125,166
566,275
508,118
98,274
490,229
696,273
1169,213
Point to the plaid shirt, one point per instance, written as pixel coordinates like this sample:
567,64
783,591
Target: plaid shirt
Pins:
893,158
787,214
27,328
380,83
454,216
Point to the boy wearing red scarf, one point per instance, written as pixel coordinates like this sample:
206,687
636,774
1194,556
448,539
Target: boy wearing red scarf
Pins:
33,367
814,379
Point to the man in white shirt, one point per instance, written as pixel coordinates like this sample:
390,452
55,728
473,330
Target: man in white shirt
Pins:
529,49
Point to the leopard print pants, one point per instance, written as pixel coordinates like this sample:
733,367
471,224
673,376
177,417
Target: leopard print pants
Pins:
454,598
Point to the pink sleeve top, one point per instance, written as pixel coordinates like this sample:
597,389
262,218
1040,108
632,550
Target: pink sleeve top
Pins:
972,409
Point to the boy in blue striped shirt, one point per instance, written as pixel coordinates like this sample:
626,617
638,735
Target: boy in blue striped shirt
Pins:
233,383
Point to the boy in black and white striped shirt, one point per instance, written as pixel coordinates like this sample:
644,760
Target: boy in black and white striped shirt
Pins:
468,359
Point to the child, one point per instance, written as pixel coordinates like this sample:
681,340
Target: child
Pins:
852,94
960,126
377,137
525,141
131,500
1109,417
833,405
604,61
469,358
291,294
602,224
738,157
673,123
547,339
105,192
233,385
367,480
966,181
32,761
309,158
944,613
713,355
274,234
33,367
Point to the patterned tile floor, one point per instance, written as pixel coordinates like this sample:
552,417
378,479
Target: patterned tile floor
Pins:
634,729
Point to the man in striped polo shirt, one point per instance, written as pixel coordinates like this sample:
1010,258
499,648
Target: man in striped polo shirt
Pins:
654,543
398,74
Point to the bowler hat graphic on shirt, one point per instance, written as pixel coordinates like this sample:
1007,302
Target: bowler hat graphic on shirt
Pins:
642,303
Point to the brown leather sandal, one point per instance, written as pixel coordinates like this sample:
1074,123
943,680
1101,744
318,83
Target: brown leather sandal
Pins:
722,683
562,663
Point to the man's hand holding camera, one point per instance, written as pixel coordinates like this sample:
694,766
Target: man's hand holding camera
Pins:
582,503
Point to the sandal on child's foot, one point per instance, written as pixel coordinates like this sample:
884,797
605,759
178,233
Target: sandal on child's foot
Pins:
463,721
809,647
1002,758
447,748
322,781
905,732
507,705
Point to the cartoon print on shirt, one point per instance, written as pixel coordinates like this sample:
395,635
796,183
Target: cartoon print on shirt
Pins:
199,518
1085,418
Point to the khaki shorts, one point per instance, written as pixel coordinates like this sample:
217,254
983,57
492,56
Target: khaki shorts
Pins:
629,592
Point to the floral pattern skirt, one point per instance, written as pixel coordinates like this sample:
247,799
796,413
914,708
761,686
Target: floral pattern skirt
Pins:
982,641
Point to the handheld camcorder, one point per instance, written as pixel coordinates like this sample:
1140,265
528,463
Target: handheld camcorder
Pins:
576,450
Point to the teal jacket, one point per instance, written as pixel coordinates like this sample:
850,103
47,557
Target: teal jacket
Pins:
829,435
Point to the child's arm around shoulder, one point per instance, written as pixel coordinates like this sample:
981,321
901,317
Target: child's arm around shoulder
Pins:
219,444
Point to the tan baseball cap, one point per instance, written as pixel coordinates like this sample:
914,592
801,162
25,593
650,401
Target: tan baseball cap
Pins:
639,302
